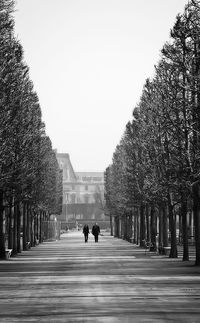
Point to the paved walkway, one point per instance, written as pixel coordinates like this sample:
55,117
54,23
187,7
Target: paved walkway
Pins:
110,281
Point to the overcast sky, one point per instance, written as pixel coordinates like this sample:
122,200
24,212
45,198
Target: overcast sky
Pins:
88,61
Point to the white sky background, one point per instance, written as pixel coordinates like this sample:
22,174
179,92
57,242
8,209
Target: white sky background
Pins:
89,60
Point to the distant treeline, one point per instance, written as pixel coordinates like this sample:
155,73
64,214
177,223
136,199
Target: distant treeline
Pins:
30,179
154,177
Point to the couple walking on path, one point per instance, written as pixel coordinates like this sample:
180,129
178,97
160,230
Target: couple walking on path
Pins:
95,232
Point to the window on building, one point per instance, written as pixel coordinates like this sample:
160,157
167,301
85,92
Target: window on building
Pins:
86,198
73,198
97,179
86,187
86,179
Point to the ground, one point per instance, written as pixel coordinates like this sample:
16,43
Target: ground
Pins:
109,281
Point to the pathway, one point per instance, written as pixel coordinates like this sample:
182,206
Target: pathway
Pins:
110,281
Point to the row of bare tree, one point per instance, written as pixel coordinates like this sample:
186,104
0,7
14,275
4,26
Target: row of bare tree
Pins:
155,172
30,178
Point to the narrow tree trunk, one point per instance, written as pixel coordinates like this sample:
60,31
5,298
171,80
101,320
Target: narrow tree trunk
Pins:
180,238
142,226
32,227
196,210
111,225
40,225
172,219
10,225
135,226
2,233
128,227
18,227
160,241
153,228
28,222
24,225
120,227
125,226
37,225
117,225
15,228
131,226
138,226
184,227
147,223
165,227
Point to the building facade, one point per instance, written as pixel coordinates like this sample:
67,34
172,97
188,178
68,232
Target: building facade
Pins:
83,196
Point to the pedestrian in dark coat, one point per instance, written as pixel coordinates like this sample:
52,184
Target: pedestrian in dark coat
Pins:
86,231
96,232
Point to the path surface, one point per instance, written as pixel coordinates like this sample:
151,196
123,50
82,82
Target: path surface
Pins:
110,281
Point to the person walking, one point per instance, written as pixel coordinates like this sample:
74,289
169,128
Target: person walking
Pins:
86,231
96,232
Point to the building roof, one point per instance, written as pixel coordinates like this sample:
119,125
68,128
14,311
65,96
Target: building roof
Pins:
66,165
93,174
69,175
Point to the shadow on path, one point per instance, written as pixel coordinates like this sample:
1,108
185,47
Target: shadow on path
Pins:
109,281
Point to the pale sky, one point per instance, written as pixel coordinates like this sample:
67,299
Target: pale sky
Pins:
89,60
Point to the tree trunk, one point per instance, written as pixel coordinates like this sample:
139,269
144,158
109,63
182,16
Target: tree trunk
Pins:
160,242
125,226
121,227
165,226
117,226
18,228
28,224
137,226
10,225
184,227
111,225
153,228
131,226
147,223
15,210
142,226
24,225
34,228
37,225
2,233
172,219
41,226
31,217
196,210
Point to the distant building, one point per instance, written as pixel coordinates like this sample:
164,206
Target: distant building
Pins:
83,195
